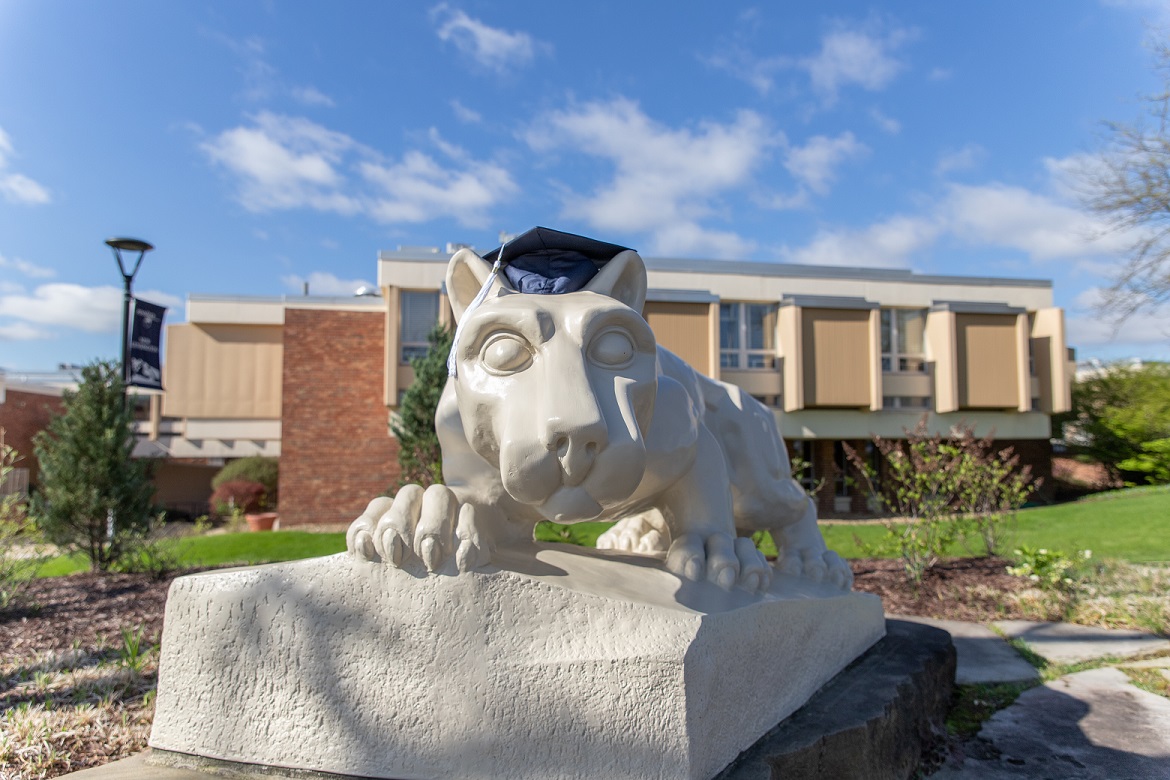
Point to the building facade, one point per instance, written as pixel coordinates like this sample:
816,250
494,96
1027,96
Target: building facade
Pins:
840,354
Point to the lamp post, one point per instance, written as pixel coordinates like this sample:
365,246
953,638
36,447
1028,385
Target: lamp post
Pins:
130,245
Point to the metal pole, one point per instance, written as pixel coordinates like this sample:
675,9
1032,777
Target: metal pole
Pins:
126,297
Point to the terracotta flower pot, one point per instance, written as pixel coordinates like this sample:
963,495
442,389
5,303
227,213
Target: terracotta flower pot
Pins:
261,521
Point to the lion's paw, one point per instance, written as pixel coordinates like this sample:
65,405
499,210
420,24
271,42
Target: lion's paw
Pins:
633,534
818,566
429,525
726,561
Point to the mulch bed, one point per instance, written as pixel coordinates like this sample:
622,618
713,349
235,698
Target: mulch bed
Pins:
86,610
962,589
89,609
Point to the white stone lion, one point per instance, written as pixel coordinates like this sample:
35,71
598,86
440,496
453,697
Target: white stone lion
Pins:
563,408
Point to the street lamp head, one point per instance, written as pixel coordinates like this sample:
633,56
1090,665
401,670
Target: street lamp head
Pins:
129,244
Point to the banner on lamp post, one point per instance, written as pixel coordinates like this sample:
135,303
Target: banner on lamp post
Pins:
145,342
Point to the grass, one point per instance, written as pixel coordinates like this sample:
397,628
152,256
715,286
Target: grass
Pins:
214,550
974,704
1131,525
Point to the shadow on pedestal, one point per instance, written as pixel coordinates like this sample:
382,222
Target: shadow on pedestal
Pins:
873,721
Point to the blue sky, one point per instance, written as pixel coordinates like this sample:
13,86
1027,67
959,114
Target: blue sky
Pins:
262,144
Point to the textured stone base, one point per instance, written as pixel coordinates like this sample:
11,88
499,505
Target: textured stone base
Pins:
565,663
874,721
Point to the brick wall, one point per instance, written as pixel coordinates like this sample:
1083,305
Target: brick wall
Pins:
22,415
336,448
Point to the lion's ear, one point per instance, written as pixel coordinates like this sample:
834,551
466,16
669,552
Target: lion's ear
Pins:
623,278
466,274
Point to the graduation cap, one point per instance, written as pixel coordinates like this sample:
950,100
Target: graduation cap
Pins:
542,261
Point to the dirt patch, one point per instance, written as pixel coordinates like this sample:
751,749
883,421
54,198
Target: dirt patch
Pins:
970,589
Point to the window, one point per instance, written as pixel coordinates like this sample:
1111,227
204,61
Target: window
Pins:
841,480
419,311
915,402
747,335
802,456
903,332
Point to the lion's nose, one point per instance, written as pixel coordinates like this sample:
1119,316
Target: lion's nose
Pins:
576,449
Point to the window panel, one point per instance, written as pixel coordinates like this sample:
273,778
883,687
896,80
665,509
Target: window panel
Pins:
904,340
747,335
419,311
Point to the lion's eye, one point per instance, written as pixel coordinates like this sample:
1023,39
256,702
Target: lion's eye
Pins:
612,349
506,354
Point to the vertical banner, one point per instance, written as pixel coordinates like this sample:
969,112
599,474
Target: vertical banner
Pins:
145,340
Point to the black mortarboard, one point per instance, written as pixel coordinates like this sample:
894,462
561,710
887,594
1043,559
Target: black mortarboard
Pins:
549,262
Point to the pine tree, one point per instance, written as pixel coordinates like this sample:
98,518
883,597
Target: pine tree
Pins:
419,457
94,498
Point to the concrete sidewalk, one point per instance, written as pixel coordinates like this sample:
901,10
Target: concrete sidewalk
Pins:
1091,725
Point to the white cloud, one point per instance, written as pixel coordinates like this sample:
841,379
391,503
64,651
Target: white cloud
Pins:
492,47
664,180
26,268
418,188
939,74
886,123
1087,328
815,163
464,114
1037,224
861,55
16,187
970,156
1042,226
311,96
324,283
883,244
90,309
282,163
22,331
758,72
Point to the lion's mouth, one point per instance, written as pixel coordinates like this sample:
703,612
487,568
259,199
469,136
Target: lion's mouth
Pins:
571,505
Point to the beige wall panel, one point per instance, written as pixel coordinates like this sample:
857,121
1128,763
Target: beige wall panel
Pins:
1049,352
837,358
941,359
987,354
390,366
684,329
223,371
791,357
755,382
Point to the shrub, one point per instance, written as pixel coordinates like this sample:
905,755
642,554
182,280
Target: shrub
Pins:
419,456
19,554
94,497
257,468
918,486
239,494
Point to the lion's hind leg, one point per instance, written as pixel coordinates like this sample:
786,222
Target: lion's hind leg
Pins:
645,533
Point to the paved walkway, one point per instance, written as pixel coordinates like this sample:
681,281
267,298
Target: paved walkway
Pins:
1091,725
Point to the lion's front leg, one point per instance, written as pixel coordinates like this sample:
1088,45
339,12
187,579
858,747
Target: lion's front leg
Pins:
429,524
802,552
699,514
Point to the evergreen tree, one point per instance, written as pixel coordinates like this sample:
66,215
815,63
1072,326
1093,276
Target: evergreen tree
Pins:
94,498
419,457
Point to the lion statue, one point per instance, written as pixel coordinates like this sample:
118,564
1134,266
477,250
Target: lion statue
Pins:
561,406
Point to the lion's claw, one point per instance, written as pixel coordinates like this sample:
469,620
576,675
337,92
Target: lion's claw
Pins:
429,525
720,559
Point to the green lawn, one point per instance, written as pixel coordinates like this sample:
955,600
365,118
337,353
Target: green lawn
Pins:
1132,525
242,548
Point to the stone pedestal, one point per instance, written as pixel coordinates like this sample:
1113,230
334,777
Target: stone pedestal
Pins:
559,663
